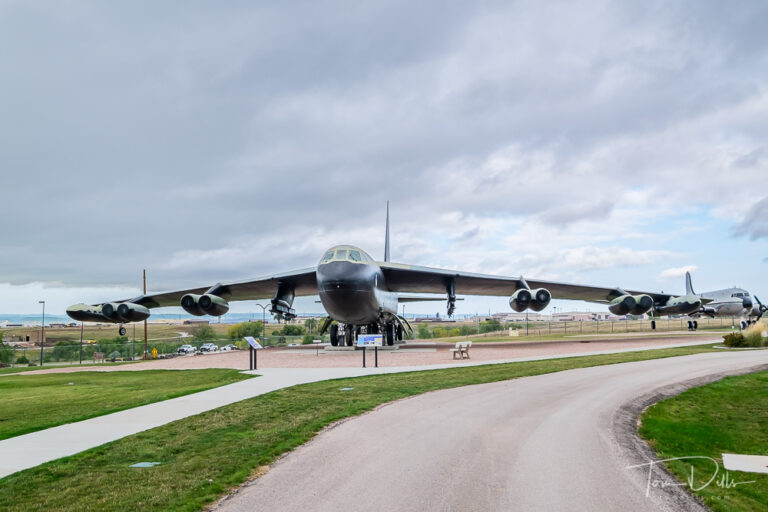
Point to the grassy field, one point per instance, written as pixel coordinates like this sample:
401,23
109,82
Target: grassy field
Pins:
728,416
204,456
34,402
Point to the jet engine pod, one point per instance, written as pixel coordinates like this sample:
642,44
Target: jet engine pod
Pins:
622,305
190,304
213,304
541,298
643,304
109,310
129,312
520,300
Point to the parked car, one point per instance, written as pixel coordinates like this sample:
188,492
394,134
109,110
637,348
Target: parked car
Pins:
228,347
208,347
186,349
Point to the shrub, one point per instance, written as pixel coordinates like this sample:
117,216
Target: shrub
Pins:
203,332
307,339
735,339
6,353
241,330
753,335
22,360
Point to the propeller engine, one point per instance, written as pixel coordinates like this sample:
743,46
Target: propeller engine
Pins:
759,309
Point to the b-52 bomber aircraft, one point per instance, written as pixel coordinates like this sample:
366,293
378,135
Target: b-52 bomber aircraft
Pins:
362,295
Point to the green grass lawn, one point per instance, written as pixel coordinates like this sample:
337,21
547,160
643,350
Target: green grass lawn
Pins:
20,369
35,402
206,455
728,416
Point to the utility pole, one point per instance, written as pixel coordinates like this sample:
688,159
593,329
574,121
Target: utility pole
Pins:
42,332
146,348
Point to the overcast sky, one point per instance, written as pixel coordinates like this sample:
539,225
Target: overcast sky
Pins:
591,142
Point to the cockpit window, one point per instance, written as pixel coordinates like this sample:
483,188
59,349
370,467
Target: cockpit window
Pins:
328,257
341,254
354,256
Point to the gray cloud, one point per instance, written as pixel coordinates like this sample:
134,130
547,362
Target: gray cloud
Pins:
755,223
213,142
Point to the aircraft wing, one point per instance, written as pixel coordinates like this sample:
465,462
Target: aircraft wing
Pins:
414,279
304,280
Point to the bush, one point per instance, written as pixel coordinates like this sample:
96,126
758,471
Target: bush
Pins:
735,339
203,332
6,353
423,332
241,330
307,339
753,335
290,330
22,360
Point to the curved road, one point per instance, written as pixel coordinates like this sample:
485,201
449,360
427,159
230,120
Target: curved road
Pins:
549,442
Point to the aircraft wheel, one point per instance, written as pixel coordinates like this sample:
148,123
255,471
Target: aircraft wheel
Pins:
122,330
690,325
334,335
349,335
695,324
390,334
653,325
399,333
743,324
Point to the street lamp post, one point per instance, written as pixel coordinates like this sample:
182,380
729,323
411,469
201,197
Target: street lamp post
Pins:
263,324
42,332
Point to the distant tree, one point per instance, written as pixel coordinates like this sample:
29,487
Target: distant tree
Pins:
6,353
490,326
310,324
203,332
241,330
423,331
291,330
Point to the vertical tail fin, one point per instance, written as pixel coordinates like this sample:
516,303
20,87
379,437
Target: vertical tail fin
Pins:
386,237
688,284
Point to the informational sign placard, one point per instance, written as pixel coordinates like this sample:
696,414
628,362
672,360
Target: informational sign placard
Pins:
370,340
253,343
317,341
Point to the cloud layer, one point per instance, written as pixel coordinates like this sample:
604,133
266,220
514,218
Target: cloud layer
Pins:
218,142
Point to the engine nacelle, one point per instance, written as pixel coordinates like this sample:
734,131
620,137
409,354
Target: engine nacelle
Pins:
541,298
213,305
643,304
190,304
520,300
622,305
124,312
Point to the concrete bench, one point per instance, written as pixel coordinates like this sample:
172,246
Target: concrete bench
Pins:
461,349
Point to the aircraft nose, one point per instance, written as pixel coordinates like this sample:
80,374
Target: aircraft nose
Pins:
747,303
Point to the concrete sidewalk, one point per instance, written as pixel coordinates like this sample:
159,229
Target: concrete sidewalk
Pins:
30,450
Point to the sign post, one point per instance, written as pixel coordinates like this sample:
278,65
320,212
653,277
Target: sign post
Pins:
255,346
317,346
370,340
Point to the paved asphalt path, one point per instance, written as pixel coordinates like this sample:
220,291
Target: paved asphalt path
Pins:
544,443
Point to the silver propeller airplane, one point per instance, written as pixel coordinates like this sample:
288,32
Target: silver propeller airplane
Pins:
362,295
728,302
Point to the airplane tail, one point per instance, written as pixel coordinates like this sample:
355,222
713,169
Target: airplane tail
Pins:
688,284
386,237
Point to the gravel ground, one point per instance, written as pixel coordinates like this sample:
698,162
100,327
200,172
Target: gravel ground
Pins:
413,354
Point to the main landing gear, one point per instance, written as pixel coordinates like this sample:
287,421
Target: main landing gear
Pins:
693,325
122,330
346,334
